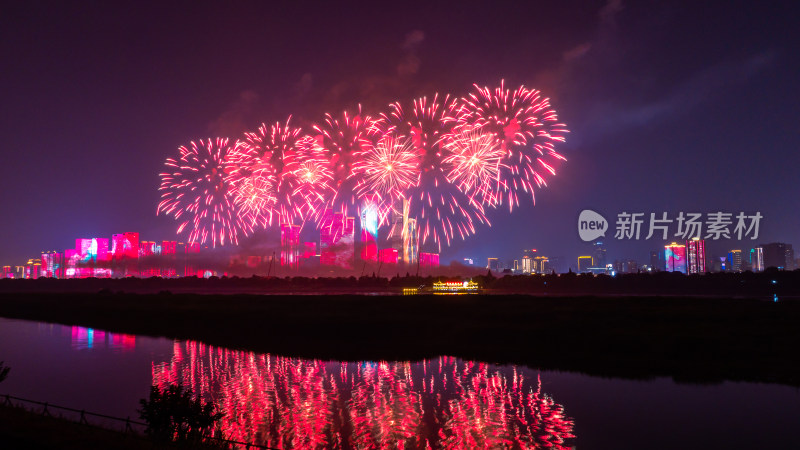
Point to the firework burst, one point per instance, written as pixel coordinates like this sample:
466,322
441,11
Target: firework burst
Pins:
387,170
474,158
195,193
527,129
314,180
443,212
343,140
268,156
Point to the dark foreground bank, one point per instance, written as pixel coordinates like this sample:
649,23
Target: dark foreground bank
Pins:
690,339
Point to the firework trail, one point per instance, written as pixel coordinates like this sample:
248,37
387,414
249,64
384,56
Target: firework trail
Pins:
264,157
195,193
527,129
343,140
442,210
474,158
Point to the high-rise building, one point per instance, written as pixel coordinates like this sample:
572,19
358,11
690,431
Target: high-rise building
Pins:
541,264
675,257
584,263
493,264
734,261
336,240
696,256
598,254
527,266
387,256
290,245
656,261
429,260
757,259
52,265
369,232
779,255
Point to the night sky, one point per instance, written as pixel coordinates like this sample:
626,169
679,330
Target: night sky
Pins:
672,107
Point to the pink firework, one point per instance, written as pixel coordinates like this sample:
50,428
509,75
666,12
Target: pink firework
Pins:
342,141
387,170
526,127
271,155
195,193
474,158
314,180
443,212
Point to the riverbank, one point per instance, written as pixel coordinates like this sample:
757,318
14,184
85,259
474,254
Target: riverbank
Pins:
690,339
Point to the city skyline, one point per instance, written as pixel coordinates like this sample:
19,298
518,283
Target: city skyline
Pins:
88,130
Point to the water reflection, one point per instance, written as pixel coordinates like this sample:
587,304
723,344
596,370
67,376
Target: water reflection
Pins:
89,338
443,403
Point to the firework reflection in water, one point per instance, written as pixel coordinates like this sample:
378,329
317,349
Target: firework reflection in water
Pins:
446,402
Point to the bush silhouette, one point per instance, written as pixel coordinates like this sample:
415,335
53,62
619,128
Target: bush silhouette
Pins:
173,414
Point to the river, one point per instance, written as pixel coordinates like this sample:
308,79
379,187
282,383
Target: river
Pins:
445,402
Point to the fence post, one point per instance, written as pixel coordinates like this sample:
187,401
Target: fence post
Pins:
45,411
7,402
83,418
128,427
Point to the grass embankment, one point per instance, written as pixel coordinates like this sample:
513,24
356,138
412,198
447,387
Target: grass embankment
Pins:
20,428
690,339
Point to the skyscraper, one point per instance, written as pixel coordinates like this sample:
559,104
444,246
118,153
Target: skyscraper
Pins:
779,255
675,257
696,256
584,263
598,254
734,261
757,259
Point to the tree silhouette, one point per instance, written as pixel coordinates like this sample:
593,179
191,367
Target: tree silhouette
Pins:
173,414
3,371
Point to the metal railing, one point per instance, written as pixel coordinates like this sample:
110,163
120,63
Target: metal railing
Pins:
129,424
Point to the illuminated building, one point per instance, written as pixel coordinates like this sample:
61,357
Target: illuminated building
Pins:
387,256
516,265
125,254
53,265
309,250
492,264
675,257
779,255
7,272
734,261
336,240
527,266
410,241
757,259
429,260
290,245
541,264
584,263
369,233
696,256
33,269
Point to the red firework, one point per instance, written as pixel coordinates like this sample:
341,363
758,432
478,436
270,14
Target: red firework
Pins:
527,129
442,211
343,140
474,158
386,171
194,192
314,180
264,157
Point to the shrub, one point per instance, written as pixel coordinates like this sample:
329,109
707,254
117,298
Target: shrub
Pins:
173,414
